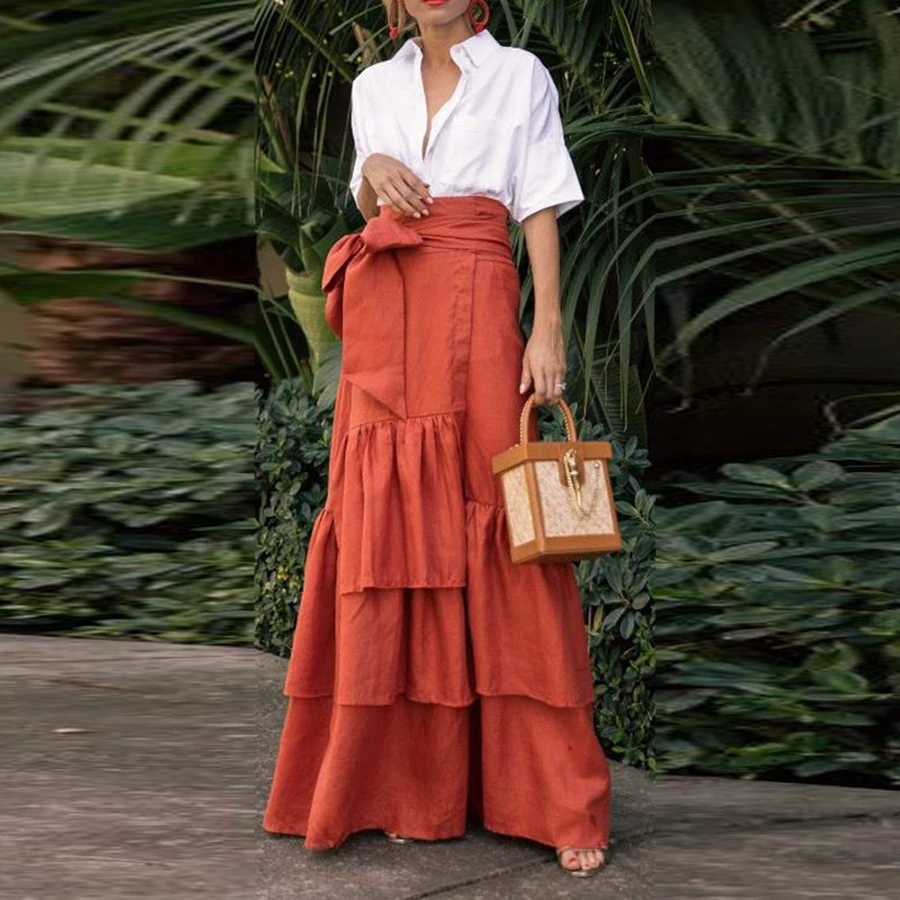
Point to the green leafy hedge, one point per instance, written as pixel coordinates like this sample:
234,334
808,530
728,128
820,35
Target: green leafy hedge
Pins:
617,604
130,511
292,470
778,618
292,463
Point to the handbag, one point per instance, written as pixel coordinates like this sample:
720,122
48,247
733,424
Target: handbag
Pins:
557,495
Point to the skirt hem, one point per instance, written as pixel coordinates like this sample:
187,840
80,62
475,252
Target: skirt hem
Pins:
439,835
492,825
511,831
556,704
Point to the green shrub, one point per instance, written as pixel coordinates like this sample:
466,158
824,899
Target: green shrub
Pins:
130,511
617,603
292,471
778,624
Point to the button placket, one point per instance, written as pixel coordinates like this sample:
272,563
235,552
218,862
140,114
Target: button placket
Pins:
444,113
421,107
441,116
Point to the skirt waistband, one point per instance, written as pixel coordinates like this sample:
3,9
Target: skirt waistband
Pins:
472,222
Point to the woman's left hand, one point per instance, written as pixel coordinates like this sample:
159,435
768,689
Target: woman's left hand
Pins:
544,362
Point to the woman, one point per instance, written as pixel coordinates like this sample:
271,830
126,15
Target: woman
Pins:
431,679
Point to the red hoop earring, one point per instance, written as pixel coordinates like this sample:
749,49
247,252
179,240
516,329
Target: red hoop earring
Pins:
478,24
395,28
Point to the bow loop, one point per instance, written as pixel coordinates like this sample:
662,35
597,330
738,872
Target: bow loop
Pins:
387,233
380,233
341,252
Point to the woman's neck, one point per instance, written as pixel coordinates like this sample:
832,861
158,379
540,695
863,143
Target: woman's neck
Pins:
435,42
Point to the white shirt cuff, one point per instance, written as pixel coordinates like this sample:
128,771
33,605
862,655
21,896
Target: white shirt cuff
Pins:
562,202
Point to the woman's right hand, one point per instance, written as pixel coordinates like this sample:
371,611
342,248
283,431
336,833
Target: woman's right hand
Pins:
397,185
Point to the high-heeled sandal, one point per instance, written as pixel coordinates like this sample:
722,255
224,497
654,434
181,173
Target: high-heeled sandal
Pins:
395,838
582,872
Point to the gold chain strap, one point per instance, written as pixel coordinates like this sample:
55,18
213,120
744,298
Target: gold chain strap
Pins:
574,493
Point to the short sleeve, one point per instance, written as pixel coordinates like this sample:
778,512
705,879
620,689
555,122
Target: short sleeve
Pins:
544,174
360,142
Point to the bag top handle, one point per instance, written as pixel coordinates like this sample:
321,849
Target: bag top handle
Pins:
571,432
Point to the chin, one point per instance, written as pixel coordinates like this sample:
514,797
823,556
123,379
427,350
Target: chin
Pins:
437,17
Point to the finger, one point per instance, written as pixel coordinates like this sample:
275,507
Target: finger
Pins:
413,199
412,204
399,201
382,194
549,386
415,182
540,387
559,379
418,191
525,380
387,203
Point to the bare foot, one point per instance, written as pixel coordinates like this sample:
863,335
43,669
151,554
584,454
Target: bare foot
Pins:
581,860
396,838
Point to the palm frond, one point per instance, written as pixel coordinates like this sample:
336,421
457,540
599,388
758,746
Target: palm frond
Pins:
771,168
183,79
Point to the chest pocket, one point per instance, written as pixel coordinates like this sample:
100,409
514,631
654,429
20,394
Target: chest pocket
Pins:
477,152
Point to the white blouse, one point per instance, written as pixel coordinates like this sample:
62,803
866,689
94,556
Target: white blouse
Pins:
500,133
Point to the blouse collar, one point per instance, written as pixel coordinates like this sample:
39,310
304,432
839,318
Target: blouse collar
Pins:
475,49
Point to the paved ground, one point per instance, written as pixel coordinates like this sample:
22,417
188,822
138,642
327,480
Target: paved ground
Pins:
131,771
135,770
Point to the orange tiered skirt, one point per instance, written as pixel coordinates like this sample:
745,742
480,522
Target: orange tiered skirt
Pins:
432,681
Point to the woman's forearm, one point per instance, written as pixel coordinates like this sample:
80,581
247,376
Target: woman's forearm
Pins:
542,240
544,359
368,200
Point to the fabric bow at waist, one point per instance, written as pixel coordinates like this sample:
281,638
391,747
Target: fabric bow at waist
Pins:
364,289
371,324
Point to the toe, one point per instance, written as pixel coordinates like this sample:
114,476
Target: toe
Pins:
569,859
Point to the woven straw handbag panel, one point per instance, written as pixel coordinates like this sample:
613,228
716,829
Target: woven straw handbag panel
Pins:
518,508
559,515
